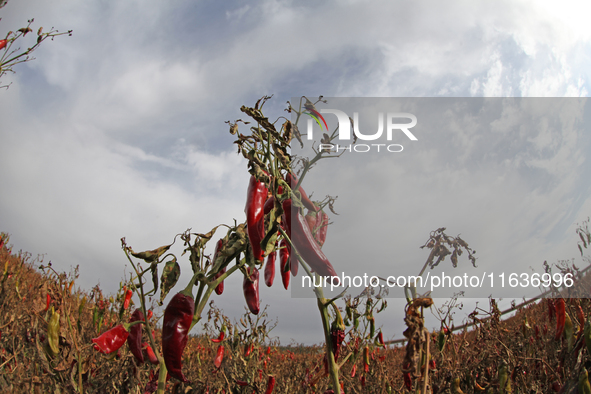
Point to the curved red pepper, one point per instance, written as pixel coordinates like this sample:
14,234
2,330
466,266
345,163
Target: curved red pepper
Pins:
111,340
322,225
292,180
218,247
270,385
217,362
560,318
270,269
128,295
250,286
255,201
220,338
134,340
151,355
284,262
178,316
311,219
47,303
303,240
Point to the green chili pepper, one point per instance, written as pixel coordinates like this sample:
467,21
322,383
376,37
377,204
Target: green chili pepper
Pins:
53,333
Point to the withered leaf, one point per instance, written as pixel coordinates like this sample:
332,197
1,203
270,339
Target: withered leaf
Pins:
170,275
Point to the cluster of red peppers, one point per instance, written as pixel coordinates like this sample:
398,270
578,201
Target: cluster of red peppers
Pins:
307,234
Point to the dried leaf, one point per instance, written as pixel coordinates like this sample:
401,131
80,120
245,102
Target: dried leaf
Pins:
170,276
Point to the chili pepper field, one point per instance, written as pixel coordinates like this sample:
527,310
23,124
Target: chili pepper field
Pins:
526,353
57,337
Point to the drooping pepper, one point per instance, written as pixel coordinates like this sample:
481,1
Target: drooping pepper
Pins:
311,219
270,269
53,332
270,385
322,224
292,180
255,201
111,340
303,240
337,333
560,317
134,340
218,247
48,302
250,286
217,362
380,339
178,316
284,263
366,359
151,355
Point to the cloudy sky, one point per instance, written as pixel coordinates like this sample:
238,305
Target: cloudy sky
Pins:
118,130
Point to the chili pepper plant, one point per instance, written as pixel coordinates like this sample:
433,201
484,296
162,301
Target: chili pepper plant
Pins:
274,208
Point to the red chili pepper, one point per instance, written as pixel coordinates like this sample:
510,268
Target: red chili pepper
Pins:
241,383
217,362
48,302
322,223
353,370
366,359
307,247
270,385
284,262
219,339
292,180
311,219
407,377
255,201
2,45
270,269
151,355
337,334
218,247
560,318
111,340
381,338
150,314
134,340
250,286
248,350
269,204
178,316
128,295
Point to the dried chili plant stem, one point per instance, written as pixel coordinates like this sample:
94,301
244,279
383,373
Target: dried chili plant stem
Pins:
427,355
